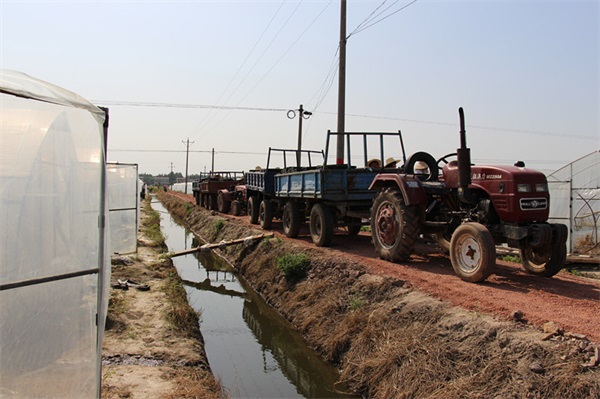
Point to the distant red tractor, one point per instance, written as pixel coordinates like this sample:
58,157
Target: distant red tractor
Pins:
469,209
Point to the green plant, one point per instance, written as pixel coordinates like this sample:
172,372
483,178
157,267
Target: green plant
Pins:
575,272
219,224
293,265
511,258
356,302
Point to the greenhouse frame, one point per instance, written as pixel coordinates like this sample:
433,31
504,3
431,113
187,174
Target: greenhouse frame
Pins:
54,268
575,202
123,207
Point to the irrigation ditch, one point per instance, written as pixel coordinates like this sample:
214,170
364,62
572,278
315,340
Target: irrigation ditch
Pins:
390,340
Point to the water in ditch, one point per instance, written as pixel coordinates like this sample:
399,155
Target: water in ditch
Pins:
249,346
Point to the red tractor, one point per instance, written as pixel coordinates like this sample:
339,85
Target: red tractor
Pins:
469,209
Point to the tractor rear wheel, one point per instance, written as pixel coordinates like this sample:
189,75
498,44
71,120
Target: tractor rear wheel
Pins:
253,209
394,226
291,219
321,225
546,262
472,252
265,214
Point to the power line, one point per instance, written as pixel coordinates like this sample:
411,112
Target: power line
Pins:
182,151
282,55
357,30
239,69
260,57
421,121
175,105
371,16
500,129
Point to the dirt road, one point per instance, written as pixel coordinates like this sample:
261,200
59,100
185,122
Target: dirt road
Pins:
572,302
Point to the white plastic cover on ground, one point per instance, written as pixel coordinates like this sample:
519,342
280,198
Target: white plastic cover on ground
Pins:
575,202
123,207
53,264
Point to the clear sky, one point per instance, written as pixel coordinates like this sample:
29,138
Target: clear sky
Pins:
526,73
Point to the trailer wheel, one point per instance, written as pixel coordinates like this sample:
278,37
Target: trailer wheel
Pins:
253,209
236,208
354,229
546,262
223,204
265,214
472,252
291,219
394,226
321,225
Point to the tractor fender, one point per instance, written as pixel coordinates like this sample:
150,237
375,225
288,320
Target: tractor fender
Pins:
410,186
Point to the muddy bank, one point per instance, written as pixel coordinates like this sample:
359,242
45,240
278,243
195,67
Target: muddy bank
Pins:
392,341
152,346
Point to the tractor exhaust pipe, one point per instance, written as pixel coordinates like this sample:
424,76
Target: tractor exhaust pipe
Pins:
464,164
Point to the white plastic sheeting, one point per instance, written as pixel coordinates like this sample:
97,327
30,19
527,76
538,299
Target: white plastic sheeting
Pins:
575,202
53,263
180,187
123,207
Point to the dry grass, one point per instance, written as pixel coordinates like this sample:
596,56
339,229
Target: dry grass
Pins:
194,383
180,314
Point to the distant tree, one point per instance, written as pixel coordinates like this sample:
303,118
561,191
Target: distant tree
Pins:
147,178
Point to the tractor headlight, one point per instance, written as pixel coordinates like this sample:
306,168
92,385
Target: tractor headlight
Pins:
523,188
541,187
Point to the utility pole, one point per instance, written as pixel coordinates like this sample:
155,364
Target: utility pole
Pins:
187,154
341,86
212,167
303,115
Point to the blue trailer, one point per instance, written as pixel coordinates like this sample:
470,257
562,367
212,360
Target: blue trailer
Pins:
260,184
328,196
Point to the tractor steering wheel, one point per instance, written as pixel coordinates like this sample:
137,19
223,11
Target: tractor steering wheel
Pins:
445,160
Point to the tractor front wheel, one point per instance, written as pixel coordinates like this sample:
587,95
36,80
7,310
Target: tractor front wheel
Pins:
236,208
472,252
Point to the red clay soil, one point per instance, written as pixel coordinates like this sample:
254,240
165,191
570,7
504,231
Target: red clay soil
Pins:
570,301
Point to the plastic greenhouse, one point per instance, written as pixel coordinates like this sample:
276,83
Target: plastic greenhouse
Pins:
54,269
123,207
575,202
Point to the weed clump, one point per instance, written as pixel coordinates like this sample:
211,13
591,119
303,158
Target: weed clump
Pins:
511,258
293,266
